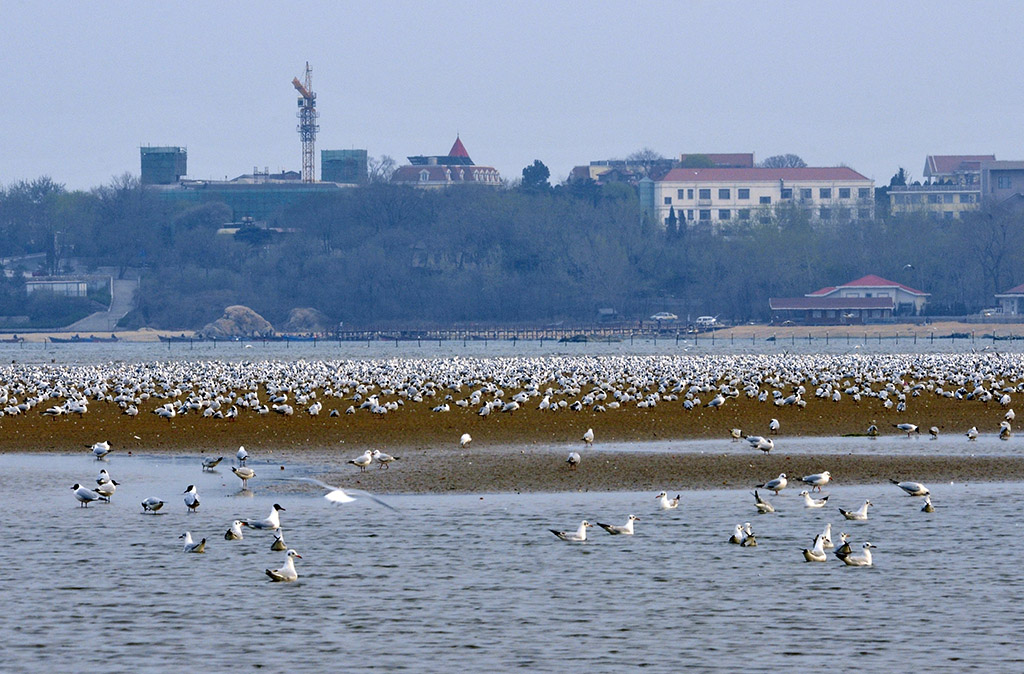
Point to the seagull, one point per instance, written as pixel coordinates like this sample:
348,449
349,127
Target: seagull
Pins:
749,540
209,463
573,460
384,459
579,535
191,546
191,498
339,495
766,445
817,552
927,507
152,504
465,440
858,514
872,431
86,496
826,536
773,426
716,402
626,529
1009,416
103,477
241,455
244,474
912,488
588,437
972,433
286,573
908,428
667,503
100,449
273,520
736,434
813,502
363,461
737,535
934,432
818,480
235,532
106,490
776,485
863,559
762,505
278,544
845,548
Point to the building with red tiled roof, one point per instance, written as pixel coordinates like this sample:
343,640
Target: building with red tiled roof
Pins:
454,168
868,298
724,198
952,186
1011,301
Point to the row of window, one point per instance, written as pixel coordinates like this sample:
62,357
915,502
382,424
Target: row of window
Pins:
743,193
944,198
744,214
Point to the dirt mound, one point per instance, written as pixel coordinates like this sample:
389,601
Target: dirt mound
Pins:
307,319
238,321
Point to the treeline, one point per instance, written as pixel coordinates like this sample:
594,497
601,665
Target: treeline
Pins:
388,255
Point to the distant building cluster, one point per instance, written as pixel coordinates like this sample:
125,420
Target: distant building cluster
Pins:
954,184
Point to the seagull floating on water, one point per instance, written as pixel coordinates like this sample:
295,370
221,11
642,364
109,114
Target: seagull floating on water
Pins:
579,535
826,536
817,551
858,514
626,529
912,488
234,533
152,504
749,540
86,496
190,546
762,505
862,559
667,503
813,502
776,485
737,535
273,520
286,573
278,544
927,507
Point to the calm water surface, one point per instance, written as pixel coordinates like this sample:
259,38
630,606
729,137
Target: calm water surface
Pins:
477,582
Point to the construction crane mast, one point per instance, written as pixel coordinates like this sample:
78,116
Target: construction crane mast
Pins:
307,127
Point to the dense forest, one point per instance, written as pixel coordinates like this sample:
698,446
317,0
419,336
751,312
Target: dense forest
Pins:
389,255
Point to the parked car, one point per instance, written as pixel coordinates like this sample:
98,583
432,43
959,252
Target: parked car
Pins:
664,316
706,321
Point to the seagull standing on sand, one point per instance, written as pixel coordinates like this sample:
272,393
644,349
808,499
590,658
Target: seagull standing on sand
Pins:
776,485
384,460
626,529
190,546
912,488
858,514
588,437
573,460
86,496
465,440
363,461
818,480
286,573
773,426
578,536
667,503
191,498
972,433
736,434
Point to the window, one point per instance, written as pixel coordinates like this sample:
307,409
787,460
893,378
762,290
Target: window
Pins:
724,193
844,192
826,213
966,198
705,214
668,200
424,175
825,193
689,212
689,194
724,214
743,193
680,193
805,193
1003,182
765,200
864,213
863,192
743,214
705,193
787,192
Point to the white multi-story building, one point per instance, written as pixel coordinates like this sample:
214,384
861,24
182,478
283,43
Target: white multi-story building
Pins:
722,197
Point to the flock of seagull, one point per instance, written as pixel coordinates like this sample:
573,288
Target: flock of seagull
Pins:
106,486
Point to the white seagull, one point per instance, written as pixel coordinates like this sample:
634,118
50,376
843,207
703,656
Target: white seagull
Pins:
103,477
234,533
579,535
209,463
190,546
244,474
191,498
363,461
278,544
100,449
766,445
152,504
762,505
817,552
826,536
273,520
813,502
818,480
737,535
286,573
667,503
626,529
107,489
912,488
241,455
776,485
908,428
749,540
339,495
86,496
588,437
927,507
465,440
860,513
773,426
384,460
573,460
863,559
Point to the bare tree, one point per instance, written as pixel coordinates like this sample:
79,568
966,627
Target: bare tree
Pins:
380,169
783,161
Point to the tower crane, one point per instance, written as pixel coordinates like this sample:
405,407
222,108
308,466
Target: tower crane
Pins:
307,126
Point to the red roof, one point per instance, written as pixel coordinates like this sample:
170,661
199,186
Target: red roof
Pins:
437,173
1016,290
869,281
944,164
458,149
766,174
809,303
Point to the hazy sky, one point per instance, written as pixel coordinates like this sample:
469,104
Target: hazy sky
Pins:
873,85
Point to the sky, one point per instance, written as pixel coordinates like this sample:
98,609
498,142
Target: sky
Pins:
871,85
